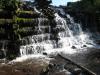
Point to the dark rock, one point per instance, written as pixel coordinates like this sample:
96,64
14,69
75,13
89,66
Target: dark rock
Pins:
28,67
44,53
73,47
43,3
77,71
12,50
84,46
1,54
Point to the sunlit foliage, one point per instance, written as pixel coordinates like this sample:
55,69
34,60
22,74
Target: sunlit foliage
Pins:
10,5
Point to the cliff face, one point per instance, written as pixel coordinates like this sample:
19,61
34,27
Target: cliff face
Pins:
25,23
12,28
87,12
89,21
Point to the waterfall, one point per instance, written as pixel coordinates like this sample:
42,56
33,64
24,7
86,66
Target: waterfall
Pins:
36,10
3,50
72,37
39,27
3,47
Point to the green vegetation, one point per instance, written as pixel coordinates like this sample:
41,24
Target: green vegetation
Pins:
23,20
8,8
26,14
87,12
9,5
4,21
43,3
85,5
21,11
14,19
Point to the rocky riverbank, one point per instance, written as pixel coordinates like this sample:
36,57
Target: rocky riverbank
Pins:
32,66
51,64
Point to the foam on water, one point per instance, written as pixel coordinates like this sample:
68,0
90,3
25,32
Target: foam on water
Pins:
72,39
27,57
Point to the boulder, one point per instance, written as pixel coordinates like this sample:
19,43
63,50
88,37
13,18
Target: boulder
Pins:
73,47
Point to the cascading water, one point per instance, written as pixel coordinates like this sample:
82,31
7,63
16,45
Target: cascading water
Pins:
3,50
73,35
72,38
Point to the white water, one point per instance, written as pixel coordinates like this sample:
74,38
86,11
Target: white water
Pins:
4,46
26,57
72,39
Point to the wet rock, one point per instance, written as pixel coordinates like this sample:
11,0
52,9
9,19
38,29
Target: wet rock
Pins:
52,55
28,67
77,71
12,50
84,46
44,53
1,54
61,73
73,47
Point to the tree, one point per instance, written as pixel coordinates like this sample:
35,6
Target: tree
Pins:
43,3
9,5
92,3
85,5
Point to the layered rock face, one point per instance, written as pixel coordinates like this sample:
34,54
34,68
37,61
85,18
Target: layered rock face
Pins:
38,23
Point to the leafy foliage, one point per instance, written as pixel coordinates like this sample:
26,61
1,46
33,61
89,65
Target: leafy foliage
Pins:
10,5
43,3
85,5
27,14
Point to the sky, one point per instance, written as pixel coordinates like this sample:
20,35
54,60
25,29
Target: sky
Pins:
60,2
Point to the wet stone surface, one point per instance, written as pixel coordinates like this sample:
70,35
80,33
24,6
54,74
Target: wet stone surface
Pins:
54,65
89,59
27,67
51,66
